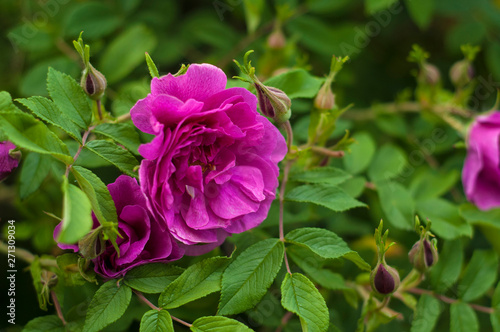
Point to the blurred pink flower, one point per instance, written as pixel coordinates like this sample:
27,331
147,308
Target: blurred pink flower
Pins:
481,172
8,162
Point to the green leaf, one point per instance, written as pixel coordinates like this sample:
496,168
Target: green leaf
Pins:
300,296
311,265
108,304
247,278
126,52
197,281
26,132
218,324
296,83
328,196
50,323
152,278
446,221
475,216
77,218
479,275
123,133
46,110
114,154
373,6
96,19
463,318
35,169
153,71
253,13
156,321
397,204
97,193
432,184
326,244
389,161
421,12
327,175
325,38
495,303
428,311
69,97
362,152
447,270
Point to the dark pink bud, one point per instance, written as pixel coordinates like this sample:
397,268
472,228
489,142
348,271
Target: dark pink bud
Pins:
384,279
423,255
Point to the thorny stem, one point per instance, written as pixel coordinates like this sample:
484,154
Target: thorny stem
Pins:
449,300
80,148
289,135
27,256
57,306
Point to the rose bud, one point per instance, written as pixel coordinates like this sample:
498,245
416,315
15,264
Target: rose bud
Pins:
384,279
429,74
273,103
276,39
481,174
423,255
93,82
461,73
9,159
325,99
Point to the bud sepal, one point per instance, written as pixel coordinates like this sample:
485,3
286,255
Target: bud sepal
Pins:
423,255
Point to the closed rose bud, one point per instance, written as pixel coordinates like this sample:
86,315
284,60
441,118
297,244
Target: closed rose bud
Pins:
384,279
93,82
9,159
276,39
423,255
325,99
461,73
273,103
430,74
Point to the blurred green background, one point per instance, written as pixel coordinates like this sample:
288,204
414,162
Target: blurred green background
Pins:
376,34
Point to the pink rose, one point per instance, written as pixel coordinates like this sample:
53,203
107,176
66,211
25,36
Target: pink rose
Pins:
212,168
481,172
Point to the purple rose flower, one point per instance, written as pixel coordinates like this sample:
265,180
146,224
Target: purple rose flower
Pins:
142,240
211,169
8,161
481,172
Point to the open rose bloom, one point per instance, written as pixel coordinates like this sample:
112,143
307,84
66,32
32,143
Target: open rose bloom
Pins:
481,172
211,169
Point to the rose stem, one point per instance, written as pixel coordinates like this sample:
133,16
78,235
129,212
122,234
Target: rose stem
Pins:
57,306
80,148
447,299
152,306
286,170
99,110
284,321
